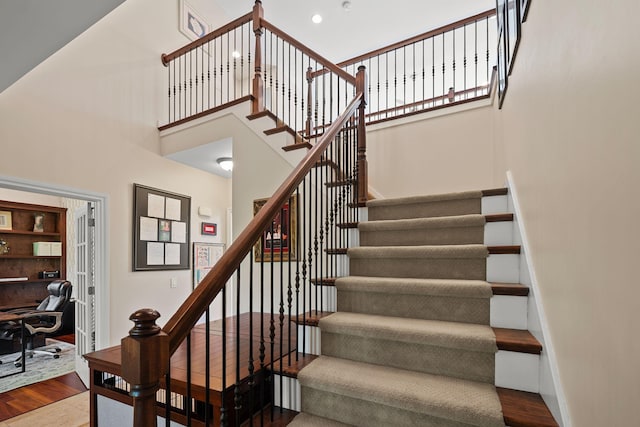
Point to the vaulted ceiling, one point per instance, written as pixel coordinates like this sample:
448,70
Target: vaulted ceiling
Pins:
32,30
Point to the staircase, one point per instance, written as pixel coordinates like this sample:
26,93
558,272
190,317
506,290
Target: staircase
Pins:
415,336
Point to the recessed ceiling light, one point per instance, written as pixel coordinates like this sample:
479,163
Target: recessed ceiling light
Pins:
235,54
316,19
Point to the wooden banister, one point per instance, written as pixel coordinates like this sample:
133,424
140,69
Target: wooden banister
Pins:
418,38
168,57
328,65
190,311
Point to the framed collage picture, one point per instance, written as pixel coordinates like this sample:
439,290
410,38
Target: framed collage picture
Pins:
205,256
161,224
278,242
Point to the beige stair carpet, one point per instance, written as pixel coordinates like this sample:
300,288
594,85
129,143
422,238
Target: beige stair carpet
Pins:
462,203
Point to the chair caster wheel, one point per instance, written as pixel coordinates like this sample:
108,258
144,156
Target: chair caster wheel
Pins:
56,356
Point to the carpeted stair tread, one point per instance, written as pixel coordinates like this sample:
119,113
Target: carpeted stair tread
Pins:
308,420
459,401
458,335
412,286
420,252
412,200
463,203
471,220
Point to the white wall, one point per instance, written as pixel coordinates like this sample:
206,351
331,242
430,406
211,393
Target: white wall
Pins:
86,118
568,132
434,153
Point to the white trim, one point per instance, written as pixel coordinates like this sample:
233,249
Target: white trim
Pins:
102,242
548,345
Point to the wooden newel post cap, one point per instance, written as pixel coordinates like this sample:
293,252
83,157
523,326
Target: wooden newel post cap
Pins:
145,353
144,321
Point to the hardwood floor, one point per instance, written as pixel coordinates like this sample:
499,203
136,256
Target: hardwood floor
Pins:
27,398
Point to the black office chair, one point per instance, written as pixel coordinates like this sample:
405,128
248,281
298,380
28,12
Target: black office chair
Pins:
44,320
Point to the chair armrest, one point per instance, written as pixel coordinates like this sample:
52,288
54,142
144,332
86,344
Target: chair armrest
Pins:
43,328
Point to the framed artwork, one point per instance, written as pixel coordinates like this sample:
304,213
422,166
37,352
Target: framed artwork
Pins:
503,60
205,256
5,220
278,242
513,30
209,229
192,24
524,9
161,224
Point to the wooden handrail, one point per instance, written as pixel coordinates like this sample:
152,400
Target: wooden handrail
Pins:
313,54
191,310
244,19
418,37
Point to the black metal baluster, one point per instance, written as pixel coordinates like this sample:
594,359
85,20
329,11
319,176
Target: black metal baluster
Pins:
475,55
443,69
290,245
223,409
235,62
281,305
315,234
251,378
237,398
454,66
262,348
464,63
272,324
321,238
304,265
487,29
297,285
207,365
433,71
188,408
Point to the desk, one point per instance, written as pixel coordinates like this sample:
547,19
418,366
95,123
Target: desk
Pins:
11,317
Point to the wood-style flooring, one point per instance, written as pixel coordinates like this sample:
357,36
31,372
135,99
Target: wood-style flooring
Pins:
24,399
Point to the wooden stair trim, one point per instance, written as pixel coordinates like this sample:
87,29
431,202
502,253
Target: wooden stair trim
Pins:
345,225
291,370
297,146
260,114
325,281
504,250
524,409
517,340
310,318
495,192
206,112
336,251
505,217
340,183
279,129
510,289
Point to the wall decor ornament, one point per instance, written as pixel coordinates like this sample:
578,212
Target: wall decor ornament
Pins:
161,224
279,240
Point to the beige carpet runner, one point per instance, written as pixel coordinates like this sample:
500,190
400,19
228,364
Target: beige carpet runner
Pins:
410,344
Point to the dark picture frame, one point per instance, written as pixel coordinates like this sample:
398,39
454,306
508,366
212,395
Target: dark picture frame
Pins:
279,240
161,229
524,9
503,60
513,26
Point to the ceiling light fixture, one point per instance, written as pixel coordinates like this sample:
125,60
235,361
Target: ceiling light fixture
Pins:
316,19
226,163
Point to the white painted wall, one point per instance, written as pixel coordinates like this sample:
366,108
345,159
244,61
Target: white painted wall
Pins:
434,153
568,132
86,118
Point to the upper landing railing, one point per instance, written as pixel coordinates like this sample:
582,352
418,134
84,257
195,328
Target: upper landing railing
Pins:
249,58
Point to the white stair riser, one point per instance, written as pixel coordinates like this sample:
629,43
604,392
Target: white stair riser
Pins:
290,396
498,233
503,268
494,204
509,312
311,339
519,371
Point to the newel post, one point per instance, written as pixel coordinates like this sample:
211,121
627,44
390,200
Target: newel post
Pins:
145,358
257,104
361,87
